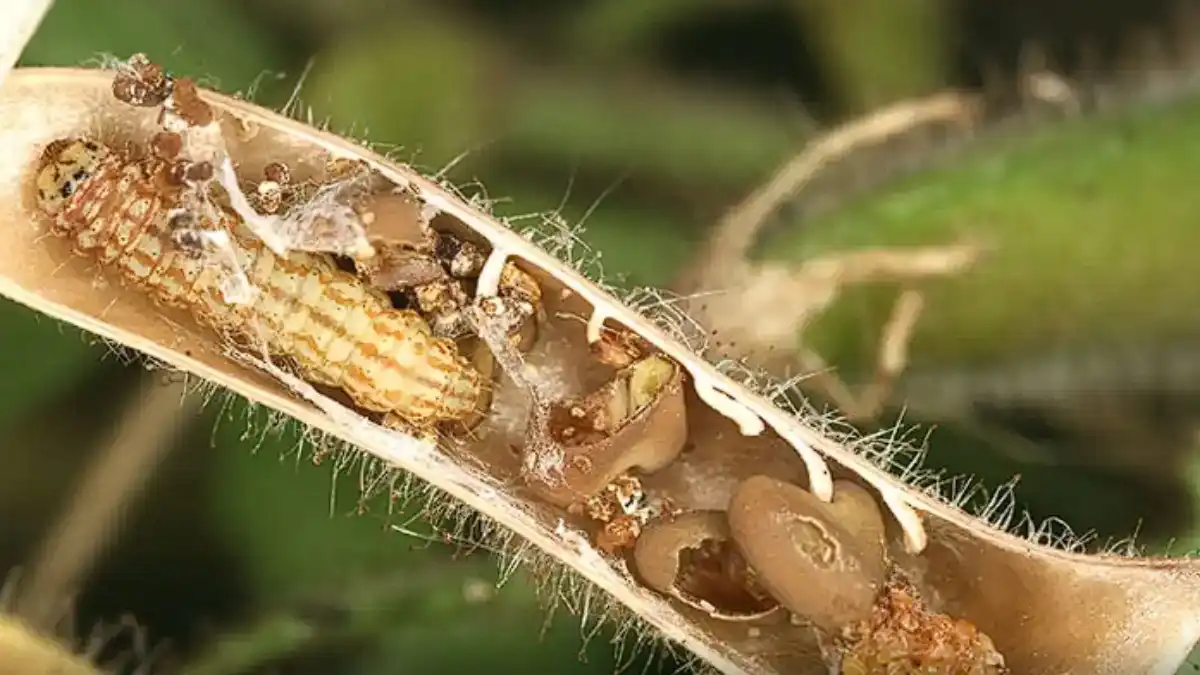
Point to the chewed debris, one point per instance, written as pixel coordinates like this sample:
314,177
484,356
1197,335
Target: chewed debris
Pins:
141,83
623,509
903,636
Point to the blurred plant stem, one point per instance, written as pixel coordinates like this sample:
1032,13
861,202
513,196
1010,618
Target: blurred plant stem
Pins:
89,523
877,51
363,612
1055,204
688,136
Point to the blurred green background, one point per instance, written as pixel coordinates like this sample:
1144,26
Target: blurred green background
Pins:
235,558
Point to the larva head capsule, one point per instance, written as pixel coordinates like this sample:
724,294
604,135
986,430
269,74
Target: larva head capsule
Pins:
65,165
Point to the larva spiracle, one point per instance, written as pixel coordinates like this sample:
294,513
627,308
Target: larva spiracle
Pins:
339,331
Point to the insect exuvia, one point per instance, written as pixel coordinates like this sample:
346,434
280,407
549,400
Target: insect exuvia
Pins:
339,331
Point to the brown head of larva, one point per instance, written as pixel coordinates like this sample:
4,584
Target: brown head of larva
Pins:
65,165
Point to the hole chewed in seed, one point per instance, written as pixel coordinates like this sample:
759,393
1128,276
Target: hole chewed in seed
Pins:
804,556
636,421
693,559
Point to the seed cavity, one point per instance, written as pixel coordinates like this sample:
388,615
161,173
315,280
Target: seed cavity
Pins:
693,558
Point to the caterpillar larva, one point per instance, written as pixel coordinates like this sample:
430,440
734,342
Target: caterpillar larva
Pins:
339,331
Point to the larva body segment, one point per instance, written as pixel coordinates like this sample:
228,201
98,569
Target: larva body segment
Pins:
339,331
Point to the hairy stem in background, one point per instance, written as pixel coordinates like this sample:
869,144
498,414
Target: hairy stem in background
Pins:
735,233
99,505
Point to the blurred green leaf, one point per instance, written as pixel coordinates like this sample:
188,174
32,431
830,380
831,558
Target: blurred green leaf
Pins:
297,524
40,359
630,244
228,51
417,83
879,52
689,136
618,30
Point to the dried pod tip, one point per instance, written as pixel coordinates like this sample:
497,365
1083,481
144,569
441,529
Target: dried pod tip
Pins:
812,564
693,559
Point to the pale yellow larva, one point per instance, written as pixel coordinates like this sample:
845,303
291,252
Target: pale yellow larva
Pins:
338,330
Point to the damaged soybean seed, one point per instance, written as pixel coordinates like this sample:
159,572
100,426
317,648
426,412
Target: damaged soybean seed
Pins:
692,558
816,567
635,421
